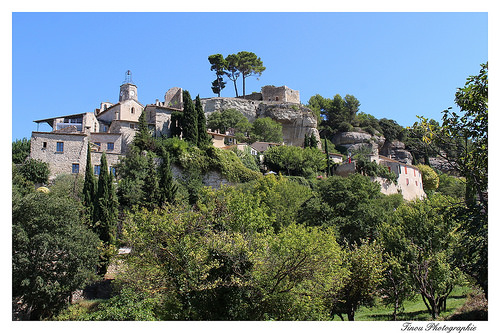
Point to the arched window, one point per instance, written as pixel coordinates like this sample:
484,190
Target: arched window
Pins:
132,110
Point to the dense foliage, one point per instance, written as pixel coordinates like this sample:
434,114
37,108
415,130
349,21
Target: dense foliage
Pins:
20,150
54,252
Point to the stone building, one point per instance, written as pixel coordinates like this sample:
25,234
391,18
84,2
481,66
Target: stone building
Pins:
110,128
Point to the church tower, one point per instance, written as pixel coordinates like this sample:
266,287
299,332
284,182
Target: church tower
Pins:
128,90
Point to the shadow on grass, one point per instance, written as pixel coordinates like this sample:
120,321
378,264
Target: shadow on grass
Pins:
474,315
457,296
415,315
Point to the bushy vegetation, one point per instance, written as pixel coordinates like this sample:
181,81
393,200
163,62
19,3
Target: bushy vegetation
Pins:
291,246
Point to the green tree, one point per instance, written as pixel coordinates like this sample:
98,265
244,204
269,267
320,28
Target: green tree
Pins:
89,186
451,186
142,138
266,130
203,138
167,186
232,69
151,186
190,119
353,205
462,140
430,178
313,142
35,171
335,112
20,150
296,272
106,205
366,267
219,65
176,127
392,130
295,161
53,252
306,141
249,64
132,171
423,234
226,119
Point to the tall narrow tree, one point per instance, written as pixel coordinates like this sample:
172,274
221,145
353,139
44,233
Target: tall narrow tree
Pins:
249,64
190,119
89,185
328,169
150,187
106,205
142,138
219,64
167,187
203,138
232,70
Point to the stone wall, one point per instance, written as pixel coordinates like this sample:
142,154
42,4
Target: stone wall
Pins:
280,94
173,98
247,107
213,179
43,148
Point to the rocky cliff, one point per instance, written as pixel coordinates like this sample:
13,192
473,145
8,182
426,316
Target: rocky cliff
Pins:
376,144
296,119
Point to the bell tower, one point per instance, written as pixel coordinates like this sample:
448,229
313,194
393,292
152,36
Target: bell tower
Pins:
128,90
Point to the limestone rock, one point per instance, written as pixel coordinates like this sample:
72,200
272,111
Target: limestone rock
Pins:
358,140
247,107
396,150
296,120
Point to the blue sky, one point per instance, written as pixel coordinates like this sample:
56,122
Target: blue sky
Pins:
398,65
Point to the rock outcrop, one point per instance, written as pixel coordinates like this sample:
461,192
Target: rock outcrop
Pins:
396,150
358,140
296,119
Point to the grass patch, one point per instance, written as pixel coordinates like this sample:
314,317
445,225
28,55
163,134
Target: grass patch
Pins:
414,310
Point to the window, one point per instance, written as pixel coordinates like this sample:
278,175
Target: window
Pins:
111,146
132,110
44,145
132,126
97,169
414,172
416,183
75,168
407,181
406,170
60,147
98,144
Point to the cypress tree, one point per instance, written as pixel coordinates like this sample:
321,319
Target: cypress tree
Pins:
306,141
142,138
150,187
313,142
203,138
106,205
89,185
167,187
328,170
190,119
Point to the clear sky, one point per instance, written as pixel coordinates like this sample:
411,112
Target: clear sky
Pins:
398,65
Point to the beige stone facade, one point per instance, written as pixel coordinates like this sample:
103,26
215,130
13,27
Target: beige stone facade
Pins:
110,128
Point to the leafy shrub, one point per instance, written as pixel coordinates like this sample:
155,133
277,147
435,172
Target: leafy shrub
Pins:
35,171
345,127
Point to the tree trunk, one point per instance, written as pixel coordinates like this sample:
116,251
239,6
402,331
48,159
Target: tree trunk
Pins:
235,87
350,315
243,86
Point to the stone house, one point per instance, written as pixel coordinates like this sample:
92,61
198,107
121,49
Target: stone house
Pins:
110,128
409,181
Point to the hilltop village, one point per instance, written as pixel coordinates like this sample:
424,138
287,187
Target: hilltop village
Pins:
111,127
